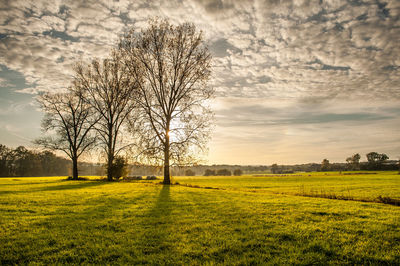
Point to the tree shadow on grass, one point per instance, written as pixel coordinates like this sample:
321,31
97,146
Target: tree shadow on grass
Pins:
82,184
158,226
78,185
31,183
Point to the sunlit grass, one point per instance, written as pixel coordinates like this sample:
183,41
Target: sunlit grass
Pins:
49,220
364,186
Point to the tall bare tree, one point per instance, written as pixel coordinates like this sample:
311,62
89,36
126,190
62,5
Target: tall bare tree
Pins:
72,120
173,66
108,88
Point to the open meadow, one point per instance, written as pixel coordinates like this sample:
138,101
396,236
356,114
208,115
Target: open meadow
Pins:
268,219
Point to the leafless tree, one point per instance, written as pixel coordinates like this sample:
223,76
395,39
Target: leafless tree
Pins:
72,120
108,88
172,65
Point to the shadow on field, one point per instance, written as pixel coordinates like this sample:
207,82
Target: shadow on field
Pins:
31,183
158,226
81,184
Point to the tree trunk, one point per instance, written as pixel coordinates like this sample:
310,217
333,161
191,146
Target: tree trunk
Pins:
110,153
167,178
109,167
75,168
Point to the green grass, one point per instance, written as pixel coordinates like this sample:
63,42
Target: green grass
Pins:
51,221
358,187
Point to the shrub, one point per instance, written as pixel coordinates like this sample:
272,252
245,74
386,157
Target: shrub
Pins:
224,172
119,167
190,172
237,172
209,172
275,168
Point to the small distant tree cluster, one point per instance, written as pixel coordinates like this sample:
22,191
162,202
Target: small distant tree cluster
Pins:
190,172
398,164
354,162
325,165
209,172
375,160
23,162
237,172
223,172
274,168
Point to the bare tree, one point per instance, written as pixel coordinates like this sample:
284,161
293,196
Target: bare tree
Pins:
72,120
109,89
172,65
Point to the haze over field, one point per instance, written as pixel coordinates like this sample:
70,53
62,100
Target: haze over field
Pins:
296,81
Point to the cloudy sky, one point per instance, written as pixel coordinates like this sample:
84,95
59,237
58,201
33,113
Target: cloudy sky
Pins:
296,81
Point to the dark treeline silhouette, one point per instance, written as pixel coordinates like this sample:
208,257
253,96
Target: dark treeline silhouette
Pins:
375,162
23,162
390,165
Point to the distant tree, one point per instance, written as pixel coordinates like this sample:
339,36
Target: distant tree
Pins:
53,165
71,121
376,157
237,172
274,168
209,172
6,159
398,164
189,172
354,161
375,160
173,65
24,162
325,166
224,172
108,88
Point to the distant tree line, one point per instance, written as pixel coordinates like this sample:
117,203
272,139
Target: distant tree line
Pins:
375,162
23,162
223,172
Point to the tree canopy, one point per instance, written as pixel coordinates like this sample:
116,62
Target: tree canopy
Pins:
172,65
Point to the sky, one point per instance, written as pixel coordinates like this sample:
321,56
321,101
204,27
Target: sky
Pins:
295,81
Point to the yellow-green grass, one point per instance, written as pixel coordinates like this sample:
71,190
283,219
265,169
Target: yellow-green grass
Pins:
353,185
52,221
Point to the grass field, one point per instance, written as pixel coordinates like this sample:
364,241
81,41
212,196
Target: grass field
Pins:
352,185
247,220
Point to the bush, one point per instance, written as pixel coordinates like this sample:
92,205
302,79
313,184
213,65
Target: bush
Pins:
209,172
224,172
189,172
119,167
151,177
237,172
